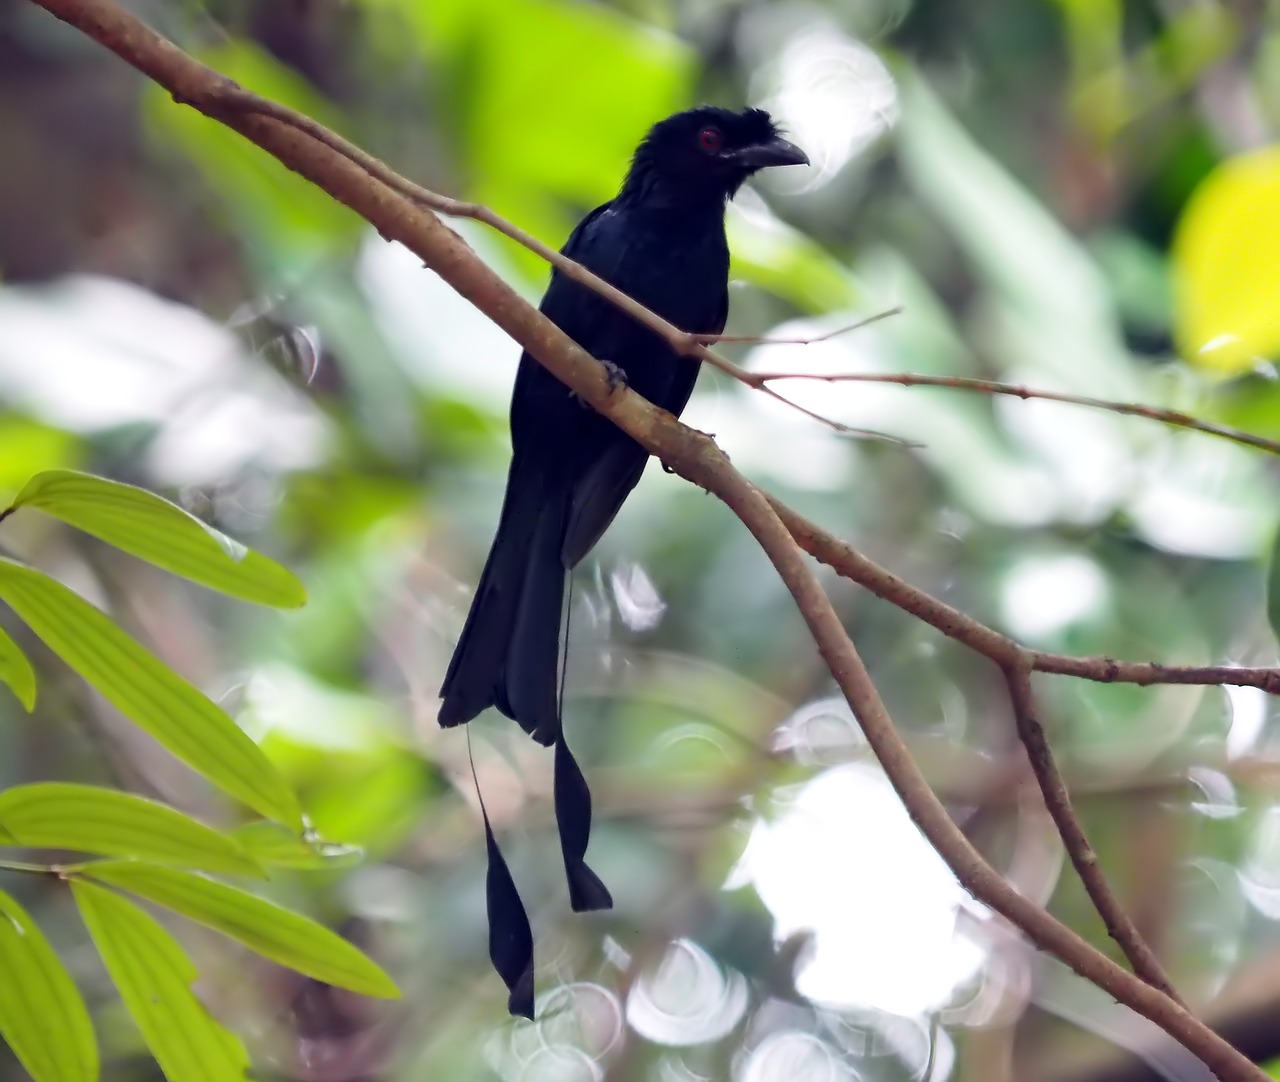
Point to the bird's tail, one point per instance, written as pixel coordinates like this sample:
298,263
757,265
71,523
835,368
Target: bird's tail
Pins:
510,644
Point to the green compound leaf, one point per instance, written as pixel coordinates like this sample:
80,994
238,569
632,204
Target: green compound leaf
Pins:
154,976
153,529
139,685
270,930
16,671
90,819
43,1017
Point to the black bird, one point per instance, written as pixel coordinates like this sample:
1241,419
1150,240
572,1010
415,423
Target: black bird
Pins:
661,241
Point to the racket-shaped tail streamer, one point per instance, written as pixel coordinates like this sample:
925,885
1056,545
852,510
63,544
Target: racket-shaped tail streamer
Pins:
573,816
510,935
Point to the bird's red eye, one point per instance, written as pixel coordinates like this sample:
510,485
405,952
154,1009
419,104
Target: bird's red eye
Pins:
710,138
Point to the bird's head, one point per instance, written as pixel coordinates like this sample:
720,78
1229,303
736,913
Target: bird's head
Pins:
707,152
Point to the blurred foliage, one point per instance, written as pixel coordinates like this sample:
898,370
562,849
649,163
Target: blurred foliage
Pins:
43,1017
1074,195
1224,261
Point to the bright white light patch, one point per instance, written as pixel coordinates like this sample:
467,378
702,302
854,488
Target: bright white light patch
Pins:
1217,342
688,999
835,96
1248,718
1043,595
636,596
847,863
1260,873
442,340
1175,519
1205,498
792,1055
90,352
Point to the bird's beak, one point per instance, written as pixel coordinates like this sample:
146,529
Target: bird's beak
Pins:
776,151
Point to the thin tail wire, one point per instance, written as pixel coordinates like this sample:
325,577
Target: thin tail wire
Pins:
564,660
510,934
573,805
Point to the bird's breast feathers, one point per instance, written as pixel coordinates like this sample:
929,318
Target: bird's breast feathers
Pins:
678,271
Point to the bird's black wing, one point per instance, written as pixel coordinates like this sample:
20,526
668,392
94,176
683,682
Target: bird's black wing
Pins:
600,492
547,421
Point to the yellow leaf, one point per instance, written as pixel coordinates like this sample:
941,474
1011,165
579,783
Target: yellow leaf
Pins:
1226,262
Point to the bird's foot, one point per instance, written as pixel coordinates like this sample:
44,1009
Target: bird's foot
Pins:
616,376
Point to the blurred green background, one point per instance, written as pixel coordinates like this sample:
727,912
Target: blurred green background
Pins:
1074,194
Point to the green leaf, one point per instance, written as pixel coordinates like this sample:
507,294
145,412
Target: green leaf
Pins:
594,50
16,671
154,975
134,681
1038,280
1226,257
59,815
28,445
274,932
43,1017
1273,588
153,529
271,843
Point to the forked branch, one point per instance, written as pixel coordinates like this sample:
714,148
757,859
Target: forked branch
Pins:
317,155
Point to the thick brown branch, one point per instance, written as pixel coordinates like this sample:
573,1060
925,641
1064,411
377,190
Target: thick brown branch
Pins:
1017,663
229,97
693,455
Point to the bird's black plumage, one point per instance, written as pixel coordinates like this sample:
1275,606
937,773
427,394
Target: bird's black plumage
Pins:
661,241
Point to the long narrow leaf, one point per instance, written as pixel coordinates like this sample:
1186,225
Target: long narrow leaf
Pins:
154,976
16,671
139,685
288,938
90,819
152,528
43,1017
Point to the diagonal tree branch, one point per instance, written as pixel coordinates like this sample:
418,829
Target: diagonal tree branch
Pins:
692,454
231,97
1083,858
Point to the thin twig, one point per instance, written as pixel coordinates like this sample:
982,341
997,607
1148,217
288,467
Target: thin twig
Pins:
847,561
1058,801
1173,418
757,340
1106,670
692,454
229,95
